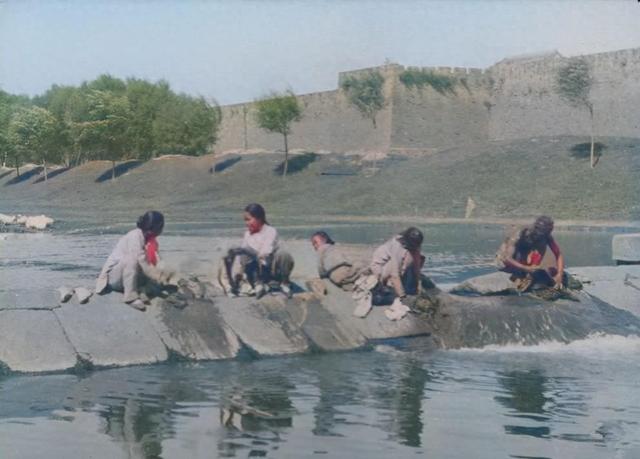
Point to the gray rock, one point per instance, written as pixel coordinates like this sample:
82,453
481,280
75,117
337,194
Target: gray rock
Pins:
65,294
590,274
265,325
488,284
21,298
39,222
375,326
83,295
617,285
110,333
196,332
34,341
460,321
324,329
626,247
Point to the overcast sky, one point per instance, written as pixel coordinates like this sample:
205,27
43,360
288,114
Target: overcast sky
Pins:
237,50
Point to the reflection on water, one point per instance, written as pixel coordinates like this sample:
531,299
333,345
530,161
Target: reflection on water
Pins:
525,394
366,404
396,402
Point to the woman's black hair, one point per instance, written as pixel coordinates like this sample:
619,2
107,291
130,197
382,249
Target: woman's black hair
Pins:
543,224
411,238
257,212
327,239
151,221
541,229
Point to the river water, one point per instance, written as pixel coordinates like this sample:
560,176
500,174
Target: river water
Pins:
552,400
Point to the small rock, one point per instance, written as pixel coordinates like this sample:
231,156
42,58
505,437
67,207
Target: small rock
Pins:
7,219
65,294
38,222
83,295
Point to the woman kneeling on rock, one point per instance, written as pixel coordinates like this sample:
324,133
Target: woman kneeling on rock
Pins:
393,274
134,256
259,259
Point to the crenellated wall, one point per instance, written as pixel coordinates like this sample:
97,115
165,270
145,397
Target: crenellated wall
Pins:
514,98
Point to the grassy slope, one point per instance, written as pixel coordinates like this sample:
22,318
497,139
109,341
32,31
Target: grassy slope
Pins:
506,179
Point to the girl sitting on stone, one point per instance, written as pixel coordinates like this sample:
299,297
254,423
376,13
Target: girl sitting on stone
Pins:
259,259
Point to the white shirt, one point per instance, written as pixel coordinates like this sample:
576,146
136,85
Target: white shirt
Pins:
264,242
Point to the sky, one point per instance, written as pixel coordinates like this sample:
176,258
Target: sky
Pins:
238,50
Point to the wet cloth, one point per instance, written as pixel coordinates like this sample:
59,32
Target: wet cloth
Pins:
397,310
126,262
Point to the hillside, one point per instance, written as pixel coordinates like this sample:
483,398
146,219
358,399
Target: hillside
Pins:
506,179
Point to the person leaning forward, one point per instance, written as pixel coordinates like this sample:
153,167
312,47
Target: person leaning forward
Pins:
397,263
394,273
332,263
133,259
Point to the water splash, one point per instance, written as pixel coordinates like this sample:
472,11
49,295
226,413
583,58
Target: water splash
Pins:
596,345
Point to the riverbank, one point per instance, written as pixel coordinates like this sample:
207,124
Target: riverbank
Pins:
507,181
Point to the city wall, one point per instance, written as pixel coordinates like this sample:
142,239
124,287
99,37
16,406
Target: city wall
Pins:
513,99
525,103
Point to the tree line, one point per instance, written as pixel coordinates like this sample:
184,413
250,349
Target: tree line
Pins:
113,119
107,119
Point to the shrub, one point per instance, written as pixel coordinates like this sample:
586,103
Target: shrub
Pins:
444,84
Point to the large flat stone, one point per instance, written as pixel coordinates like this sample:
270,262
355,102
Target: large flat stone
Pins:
617,285
326,331
478,321
626,247
488,284
196,332
36,298
590,274
107,332
620,294
265,325
34,341
375,326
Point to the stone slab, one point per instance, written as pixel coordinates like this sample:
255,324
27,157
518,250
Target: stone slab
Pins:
617,285
196,332
589,274
36,298
626,247
264,325
106,332
375,326
620,294
326,331
478,321
488,284
34,341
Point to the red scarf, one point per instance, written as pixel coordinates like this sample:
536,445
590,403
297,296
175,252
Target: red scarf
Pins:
151,250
